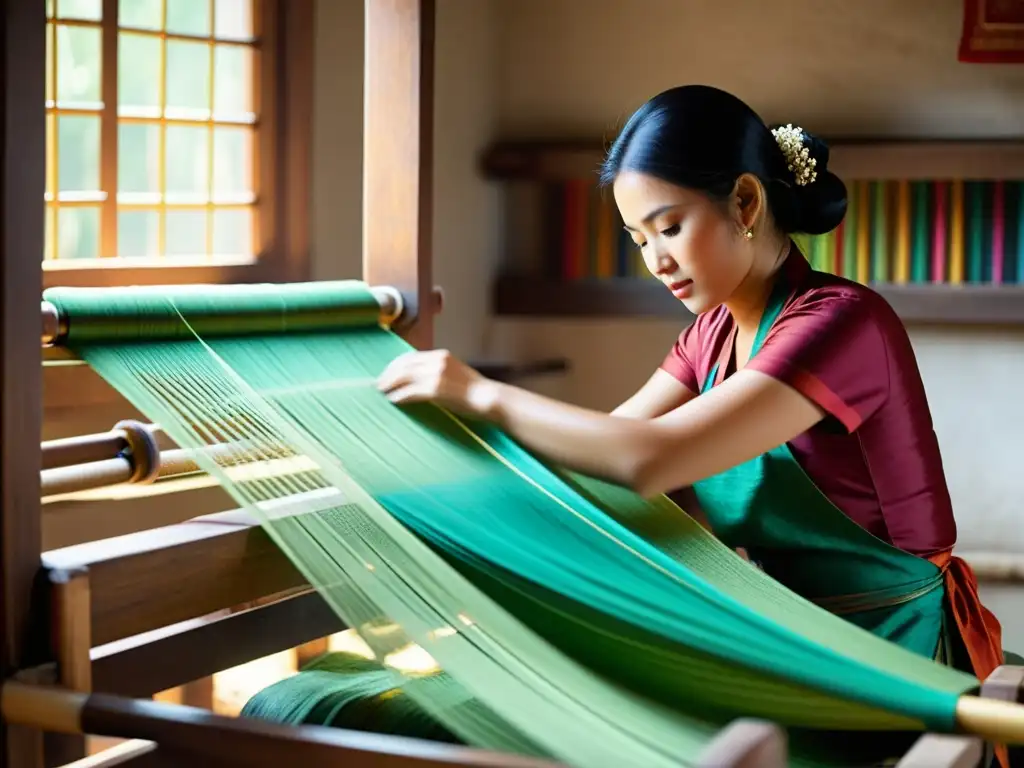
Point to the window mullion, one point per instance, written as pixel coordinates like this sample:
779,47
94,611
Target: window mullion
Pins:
108,132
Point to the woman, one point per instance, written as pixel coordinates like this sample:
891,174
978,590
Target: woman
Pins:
793,406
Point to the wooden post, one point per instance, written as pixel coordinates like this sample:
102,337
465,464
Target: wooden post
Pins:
398,142
71,643
23,170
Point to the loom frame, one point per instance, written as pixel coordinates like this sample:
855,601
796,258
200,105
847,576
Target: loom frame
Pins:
62,610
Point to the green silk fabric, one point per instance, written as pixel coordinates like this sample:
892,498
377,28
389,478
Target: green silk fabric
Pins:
571,617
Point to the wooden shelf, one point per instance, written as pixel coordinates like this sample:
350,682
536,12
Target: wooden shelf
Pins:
520,296
849,159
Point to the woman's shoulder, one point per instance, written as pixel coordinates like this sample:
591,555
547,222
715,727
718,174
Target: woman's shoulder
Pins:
823,292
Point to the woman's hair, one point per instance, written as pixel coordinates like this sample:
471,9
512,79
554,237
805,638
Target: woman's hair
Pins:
703,138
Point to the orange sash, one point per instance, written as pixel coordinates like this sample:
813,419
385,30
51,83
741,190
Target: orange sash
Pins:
980,629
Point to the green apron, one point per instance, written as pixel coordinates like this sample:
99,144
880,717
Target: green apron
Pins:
771,508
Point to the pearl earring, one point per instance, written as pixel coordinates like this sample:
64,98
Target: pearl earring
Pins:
749,234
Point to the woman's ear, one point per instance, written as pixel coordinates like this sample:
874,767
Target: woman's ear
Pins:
748,198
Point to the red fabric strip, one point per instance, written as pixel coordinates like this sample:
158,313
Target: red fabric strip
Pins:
979,628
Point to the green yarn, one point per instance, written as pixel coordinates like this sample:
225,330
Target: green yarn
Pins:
345,690
572,618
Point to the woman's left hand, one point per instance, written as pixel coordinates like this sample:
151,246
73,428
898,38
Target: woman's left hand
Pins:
439,377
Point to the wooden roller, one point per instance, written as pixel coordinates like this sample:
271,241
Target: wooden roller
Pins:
130,453
84,449
54,326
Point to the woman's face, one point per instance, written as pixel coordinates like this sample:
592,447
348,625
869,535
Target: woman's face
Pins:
691,244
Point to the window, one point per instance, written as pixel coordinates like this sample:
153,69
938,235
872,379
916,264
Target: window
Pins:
196,170
162,151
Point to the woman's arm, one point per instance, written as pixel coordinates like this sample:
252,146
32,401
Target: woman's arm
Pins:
748,414
660,394
745,416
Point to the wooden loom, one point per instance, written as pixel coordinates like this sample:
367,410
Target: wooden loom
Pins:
63,610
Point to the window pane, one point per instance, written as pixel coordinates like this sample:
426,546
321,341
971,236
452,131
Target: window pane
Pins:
51,223
90,10
186,233
138,234
78,64
141,14
138,73
138,158
232,162
233,19
188,17
233,81
78,154
188,78
51,152
78,229
232,232
50,87
187,161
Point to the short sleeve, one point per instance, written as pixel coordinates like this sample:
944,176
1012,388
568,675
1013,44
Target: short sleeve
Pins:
681,360
831,349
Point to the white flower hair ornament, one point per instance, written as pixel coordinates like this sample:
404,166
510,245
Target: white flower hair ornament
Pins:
798,158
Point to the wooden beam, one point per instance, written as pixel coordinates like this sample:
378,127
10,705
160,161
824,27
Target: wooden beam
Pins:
860,159
398,141
151,666
293,112
217,563
626,297
23,169
219,740
137,753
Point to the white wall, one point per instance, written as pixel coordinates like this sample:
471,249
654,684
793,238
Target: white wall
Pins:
509,68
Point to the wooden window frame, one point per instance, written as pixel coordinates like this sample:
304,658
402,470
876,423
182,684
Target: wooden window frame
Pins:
284,108
283,191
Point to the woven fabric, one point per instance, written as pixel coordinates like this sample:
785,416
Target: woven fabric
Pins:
571,618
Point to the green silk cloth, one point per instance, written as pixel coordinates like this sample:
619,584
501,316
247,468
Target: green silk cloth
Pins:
571,617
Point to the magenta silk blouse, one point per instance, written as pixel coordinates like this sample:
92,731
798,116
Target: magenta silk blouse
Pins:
875,456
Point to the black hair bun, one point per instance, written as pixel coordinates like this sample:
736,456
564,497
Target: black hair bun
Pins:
819,204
